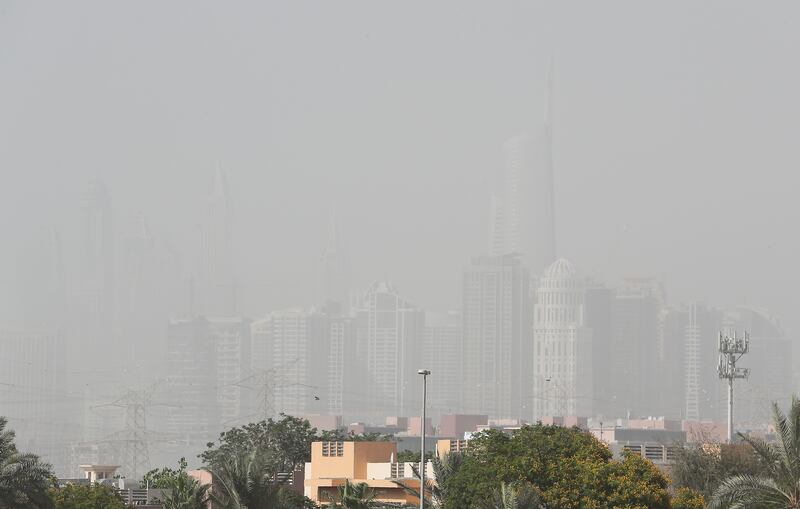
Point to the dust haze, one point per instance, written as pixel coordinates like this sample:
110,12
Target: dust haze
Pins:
222,212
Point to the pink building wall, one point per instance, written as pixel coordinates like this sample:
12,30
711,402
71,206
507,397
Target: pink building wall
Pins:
455,425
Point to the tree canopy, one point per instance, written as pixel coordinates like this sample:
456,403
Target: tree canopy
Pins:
164,477
92,496
24,479
778,486
686,498
703,467
283,444
568,468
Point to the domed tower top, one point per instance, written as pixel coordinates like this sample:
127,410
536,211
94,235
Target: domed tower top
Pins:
560,269
559,298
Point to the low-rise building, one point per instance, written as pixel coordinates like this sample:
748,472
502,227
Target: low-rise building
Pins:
657,445
447,446
455,425
567,421
374,463
131,492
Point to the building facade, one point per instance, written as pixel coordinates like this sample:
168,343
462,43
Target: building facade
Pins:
496,337
522,207
443,356
638,313
389,336
373,463
562,357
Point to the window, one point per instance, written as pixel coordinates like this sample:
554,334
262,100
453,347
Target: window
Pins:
333,448
653,452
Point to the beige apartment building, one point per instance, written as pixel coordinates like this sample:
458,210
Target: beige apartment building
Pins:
373,463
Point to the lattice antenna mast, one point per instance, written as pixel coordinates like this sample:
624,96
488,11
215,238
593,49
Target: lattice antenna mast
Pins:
731,349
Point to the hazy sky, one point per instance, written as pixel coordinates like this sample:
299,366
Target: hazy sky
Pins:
675,147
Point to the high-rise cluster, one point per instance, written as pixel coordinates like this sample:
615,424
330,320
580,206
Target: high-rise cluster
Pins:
528,338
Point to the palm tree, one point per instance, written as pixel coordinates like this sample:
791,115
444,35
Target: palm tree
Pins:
514,496
779,488
243,481
355,496
444,467
186,493
24,479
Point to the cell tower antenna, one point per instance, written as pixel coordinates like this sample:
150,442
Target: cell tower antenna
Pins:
731,349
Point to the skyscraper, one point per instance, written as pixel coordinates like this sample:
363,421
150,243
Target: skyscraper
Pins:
219,281
337,287
150,290
496,337
230,337
389,331
342,364
32,379
637,329
192,383
562,357
443,356
523,216
97,295
690,351
294,358
597,315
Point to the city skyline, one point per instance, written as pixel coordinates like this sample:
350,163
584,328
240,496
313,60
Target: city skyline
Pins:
289,210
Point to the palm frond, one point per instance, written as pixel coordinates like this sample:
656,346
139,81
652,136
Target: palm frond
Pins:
747,490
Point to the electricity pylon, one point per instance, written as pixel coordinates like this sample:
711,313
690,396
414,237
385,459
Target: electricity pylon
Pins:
135,437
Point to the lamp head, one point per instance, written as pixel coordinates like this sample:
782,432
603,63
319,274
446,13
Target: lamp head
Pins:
423,372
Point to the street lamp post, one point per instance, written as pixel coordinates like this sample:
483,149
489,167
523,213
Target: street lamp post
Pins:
424,373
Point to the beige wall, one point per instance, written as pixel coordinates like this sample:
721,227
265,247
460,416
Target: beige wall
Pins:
353,464
327,473
446,446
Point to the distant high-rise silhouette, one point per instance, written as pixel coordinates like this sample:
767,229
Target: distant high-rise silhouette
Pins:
638,313
598,312
220,292
343,364
286,346
496,329
209,366
389,333
522,213
562,359
33,392
192,382
97,289
337,288
443,356
231,339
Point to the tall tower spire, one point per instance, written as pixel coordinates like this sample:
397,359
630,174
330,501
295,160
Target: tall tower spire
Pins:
336,280
545,230
522,216
97,281
220,281
550,98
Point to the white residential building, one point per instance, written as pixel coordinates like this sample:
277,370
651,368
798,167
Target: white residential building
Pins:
562,357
